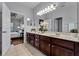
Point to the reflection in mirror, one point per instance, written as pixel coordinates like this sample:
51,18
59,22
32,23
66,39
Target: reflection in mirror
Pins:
17,28
62,19
58,24
65,18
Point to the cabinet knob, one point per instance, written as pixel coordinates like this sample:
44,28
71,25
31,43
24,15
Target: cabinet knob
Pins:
49,44
36,39
52,45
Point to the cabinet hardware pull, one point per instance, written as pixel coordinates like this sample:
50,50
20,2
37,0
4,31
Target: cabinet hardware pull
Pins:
49,44
52,45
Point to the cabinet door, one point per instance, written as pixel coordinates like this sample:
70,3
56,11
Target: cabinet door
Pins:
31,42
60,51
31,38
76,49
45,47
37,44
28,38
37,41
52,52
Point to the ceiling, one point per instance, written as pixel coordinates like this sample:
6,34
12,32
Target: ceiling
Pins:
26,4
29,4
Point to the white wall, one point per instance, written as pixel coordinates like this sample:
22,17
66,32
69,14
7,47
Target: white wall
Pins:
5,28
68,12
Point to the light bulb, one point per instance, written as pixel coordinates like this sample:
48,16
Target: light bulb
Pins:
37,13
51,6
48,8
51,9
28,19
54,8
45,9
41,12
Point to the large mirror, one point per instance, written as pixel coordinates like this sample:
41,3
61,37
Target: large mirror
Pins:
62,19
65,18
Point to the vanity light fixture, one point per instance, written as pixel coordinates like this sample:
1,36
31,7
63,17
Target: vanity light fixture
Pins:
46,10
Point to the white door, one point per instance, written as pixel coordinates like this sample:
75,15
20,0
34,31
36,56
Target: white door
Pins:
5,28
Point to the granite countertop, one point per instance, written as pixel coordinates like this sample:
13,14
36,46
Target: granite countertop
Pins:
59,35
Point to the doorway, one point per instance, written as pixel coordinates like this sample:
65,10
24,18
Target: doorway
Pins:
17,28
58,24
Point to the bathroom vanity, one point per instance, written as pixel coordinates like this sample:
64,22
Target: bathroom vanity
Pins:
54,45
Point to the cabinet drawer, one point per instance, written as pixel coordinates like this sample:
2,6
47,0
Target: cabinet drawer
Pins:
60,51
64,43
45,38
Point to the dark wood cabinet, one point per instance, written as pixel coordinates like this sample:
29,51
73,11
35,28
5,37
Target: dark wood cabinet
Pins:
53,46
28,38
52,52
61,47
76,49
37,41
45,45
31,38
60,51
64,43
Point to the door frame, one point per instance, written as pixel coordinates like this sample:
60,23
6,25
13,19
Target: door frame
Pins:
55,22
23,19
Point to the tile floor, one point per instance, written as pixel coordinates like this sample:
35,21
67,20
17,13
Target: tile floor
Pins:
23,50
